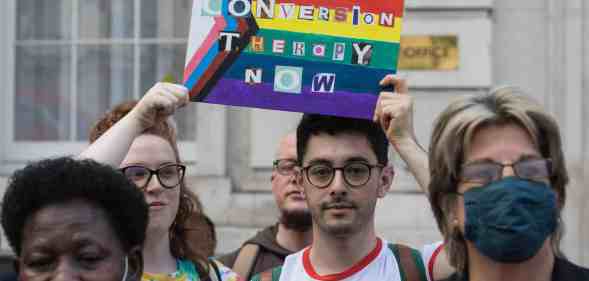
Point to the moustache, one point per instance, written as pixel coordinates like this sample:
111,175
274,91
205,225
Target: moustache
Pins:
338,205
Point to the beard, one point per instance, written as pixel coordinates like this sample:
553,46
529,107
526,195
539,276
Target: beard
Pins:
296,220
341,227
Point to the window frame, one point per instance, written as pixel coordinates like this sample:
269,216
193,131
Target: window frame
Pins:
210,137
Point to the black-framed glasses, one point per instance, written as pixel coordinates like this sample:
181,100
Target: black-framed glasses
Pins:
285,167
169,176
355,174
489,171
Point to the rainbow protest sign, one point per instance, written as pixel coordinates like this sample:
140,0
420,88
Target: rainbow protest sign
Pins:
314,56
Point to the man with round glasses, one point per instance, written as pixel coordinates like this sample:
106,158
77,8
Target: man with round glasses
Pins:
268,248
343,171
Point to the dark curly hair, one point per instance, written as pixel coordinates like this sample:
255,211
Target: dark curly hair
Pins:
314,124
61,180
189,202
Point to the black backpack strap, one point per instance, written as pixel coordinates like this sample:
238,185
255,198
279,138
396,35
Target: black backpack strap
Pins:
411,267
215,274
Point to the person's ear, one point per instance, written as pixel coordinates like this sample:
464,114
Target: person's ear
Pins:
385,181
135,257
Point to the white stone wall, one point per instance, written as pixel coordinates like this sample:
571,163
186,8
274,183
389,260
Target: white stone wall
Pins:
539,45
4,247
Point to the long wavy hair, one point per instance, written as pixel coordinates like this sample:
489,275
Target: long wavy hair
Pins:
189,202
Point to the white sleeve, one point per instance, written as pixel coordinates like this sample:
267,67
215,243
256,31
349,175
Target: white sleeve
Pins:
429,253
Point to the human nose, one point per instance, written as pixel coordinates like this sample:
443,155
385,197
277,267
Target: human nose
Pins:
338,184
65,271
153,184
508,171
292,177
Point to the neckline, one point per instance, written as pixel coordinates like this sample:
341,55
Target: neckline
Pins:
310,270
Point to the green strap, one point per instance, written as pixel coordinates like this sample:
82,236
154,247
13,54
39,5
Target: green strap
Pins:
395,251
414,257
256,277
417,258
276,273
268,275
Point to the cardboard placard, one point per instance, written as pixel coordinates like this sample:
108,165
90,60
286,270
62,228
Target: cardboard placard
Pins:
308,56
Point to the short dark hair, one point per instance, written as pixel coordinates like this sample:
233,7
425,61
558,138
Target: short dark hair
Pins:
61,180
314,124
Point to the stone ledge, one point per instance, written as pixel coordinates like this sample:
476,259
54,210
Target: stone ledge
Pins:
449,4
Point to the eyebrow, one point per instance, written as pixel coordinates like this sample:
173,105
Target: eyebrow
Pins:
354,159
142,164
357,159
489,160
319,161
286,159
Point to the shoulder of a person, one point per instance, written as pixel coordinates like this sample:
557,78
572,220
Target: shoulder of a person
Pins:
566,268
228,259
226,273
272,274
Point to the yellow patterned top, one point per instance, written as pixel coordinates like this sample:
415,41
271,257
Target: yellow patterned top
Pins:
187,272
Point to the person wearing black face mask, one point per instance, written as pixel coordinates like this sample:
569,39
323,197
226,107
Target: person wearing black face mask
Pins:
497,189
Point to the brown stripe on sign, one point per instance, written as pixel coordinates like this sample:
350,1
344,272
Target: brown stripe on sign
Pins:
246,28
224,60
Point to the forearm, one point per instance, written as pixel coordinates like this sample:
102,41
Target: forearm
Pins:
416,159
112,147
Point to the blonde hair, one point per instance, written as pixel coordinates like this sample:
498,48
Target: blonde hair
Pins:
451,138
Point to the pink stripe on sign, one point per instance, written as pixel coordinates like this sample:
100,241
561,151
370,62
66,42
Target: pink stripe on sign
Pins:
219,25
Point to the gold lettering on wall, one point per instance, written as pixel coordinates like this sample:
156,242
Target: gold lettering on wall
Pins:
429,52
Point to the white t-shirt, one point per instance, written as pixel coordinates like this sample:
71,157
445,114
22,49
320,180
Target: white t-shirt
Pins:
379,264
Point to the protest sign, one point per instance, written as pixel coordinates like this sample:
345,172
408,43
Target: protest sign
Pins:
313,56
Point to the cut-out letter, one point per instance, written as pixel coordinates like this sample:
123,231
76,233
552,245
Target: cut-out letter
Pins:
306,12
265,9
253,76
239,8
288,79
228,41
319,50
323,13
362,53
298,48
278,46
257,43
323,83
339,51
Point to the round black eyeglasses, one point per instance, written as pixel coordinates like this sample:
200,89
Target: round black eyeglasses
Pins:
355,175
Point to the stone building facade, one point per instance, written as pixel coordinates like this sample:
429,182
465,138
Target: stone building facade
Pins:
539,45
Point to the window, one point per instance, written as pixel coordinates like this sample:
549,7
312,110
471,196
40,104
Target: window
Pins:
69,61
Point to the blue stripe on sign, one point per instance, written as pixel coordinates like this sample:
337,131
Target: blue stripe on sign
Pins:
350,78
202,66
